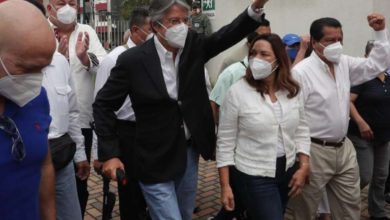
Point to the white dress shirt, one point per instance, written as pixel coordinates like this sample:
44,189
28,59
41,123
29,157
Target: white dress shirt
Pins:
170,67
126,111
84,76
169,70
279,117
63,103
327,99
248,131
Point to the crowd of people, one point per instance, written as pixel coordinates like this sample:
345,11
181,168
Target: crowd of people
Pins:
291,122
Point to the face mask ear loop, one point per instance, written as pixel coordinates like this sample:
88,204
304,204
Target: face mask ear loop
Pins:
5,69
159,32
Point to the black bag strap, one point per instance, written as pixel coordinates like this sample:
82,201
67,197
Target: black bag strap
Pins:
242,62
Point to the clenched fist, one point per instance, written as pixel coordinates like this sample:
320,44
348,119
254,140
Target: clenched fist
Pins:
376,21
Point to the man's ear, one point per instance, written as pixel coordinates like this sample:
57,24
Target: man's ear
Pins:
312,41
153,26
133,29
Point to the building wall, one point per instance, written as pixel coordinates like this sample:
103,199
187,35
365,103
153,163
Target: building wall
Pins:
296,16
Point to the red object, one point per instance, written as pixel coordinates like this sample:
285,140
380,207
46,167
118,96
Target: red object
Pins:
80,9
57,35
101,29
124,182
37,126
101,6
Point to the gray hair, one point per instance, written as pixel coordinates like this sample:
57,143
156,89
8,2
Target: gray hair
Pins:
158,8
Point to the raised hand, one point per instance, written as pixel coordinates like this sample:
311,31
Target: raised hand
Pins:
376,21
82,46
259,3
63,47
305,42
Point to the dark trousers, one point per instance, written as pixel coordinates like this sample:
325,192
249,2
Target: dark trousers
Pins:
82,185
266,197
387,186
239,211
132,204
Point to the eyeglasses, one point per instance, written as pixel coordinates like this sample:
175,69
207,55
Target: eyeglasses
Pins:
9,127
177,20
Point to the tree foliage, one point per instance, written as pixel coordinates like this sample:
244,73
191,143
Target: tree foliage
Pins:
129,5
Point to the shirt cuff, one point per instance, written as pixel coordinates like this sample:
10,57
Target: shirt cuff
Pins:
225,163
80,154
304,151
94,154
256,15
93,61
381,35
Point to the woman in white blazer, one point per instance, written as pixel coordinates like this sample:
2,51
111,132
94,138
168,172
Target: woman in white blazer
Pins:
262,132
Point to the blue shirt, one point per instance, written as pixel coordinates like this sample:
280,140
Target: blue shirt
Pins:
226,79
19,182
373,104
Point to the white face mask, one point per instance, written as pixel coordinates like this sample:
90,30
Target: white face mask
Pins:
176,35
261,69
20,89
333,52
66,14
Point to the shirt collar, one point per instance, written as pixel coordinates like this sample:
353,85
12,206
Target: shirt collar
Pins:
53,26
10,108
319,61
130,43
162,52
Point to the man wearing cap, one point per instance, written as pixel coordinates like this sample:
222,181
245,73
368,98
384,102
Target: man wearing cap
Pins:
199,21
296,47
168,92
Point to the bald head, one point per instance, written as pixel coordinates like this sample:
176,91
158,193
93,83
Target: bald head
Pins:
27,42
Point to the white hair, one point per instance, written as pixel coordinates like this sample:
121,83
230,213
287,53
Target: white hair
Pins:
158,8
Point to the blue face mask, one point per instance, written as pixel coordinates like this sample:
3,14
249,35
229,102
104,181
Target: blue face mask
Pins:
292,53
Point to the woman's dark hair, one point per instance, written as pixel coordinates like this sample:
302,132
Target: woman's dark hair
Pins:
283,78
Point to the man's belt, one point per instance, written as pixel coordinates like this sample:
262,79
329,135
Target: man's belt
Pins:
328,143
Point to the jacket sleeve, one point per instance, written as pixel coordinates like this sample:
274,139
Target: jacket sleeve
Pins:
108,100
227,131
230,34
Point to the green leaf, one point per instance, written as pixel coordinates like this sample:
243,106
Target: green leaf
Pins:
128,6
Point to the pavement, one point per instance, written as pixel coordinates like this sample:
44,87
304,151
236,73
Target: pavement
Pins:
207,199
